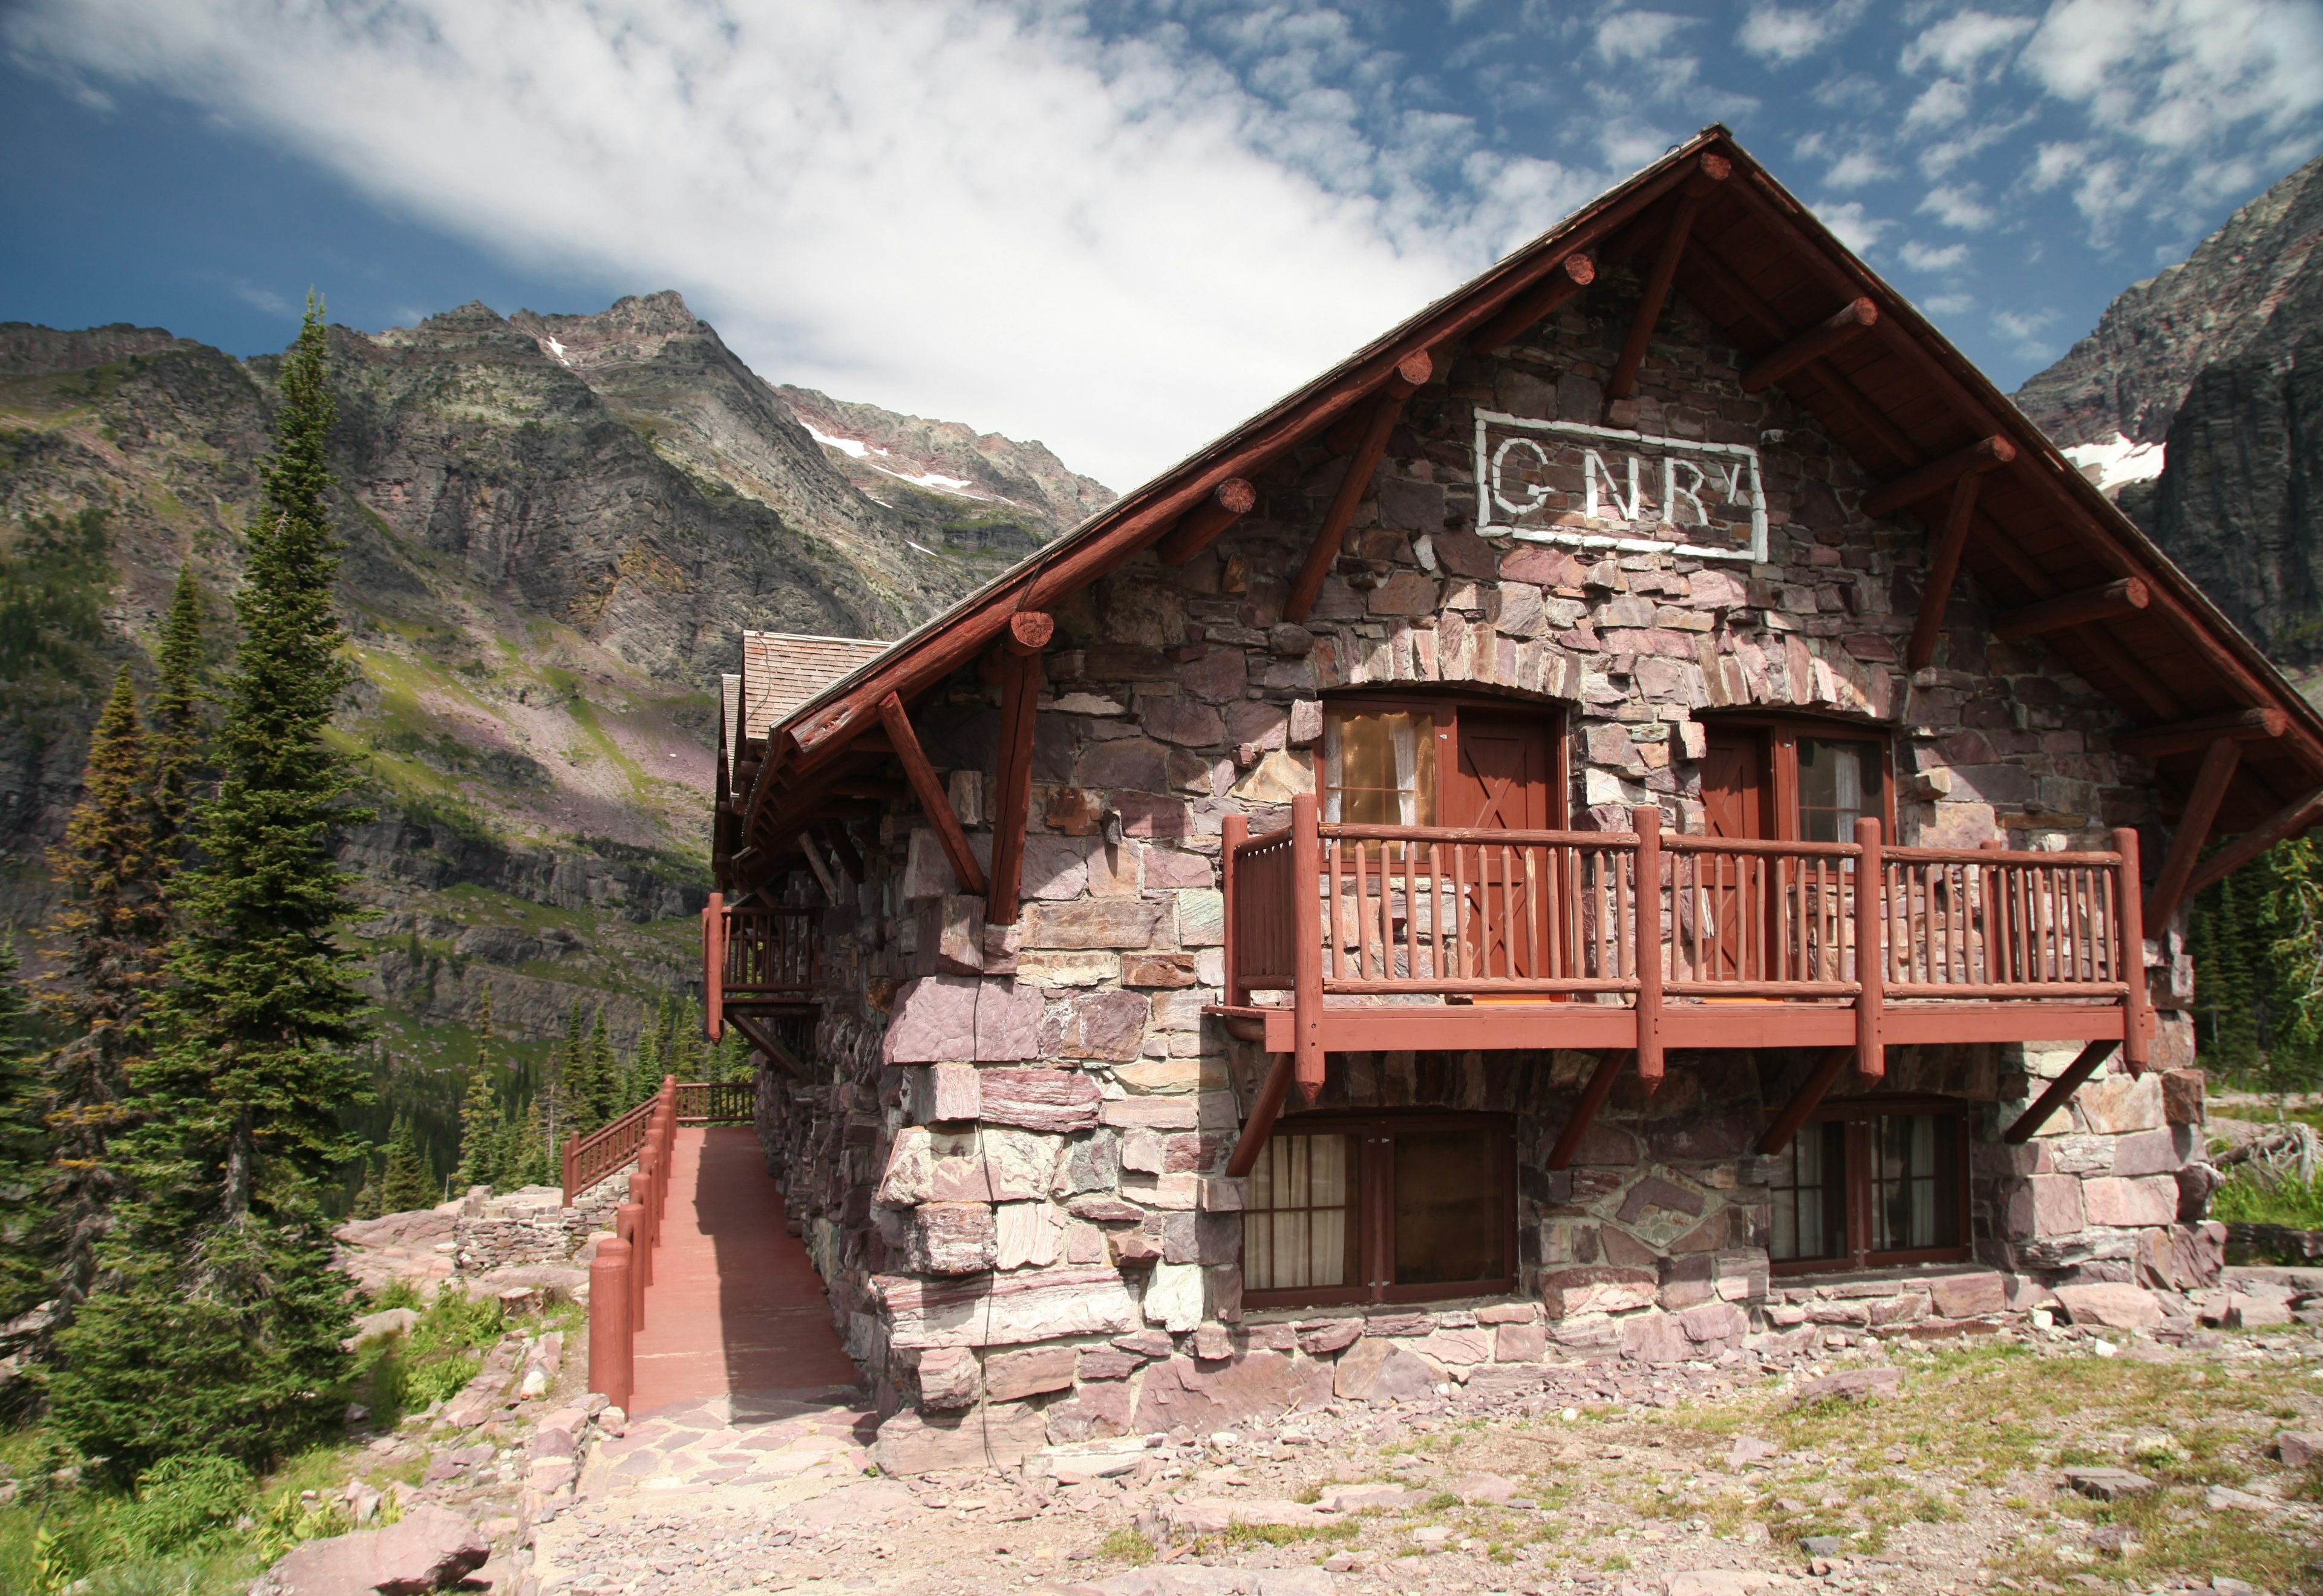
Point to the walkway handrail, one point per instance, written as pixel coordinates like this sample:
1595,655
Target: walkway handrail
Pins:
717,1102
624,1260
590,1159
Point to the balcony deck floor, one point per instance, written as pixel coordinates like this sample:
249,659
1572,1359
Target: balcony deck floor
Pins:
1359,1027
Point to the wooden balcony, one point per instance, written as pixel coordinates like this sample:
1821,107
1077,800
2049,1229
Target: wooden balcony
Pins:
755,962
1343,937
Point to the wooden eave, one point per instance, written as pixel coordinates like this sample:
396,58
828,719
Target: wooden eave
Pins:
1764,270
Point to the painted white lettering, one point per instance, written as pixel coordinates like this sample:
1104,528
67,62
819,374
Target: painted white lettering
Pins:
1593,467
1535,491
1672,492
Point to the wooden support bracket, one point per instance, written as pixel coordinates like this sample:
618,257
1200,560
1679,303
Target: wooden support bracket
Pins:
1584,1113
768,1043
1623,382
1020,695
2193,831
1810,1097
842,848
2287,822
1262,1111
1201,527
2108,601
932,799
1567,278
1843,323
1984,454
2183,738
1386,411
2063,1086
1943,571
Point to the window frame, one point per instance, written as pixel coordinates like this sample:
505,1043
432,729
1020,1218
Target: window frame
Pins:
1374,1207
1859,1115
1780,735
1445,709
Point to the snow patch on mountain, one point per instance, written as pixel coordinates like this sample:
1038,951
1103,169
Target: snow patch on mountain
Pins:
2116,461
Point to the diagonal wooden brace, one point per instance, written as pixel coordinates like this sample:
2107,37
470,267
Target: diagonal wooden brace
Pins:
1809,1098
932,799
2061,1088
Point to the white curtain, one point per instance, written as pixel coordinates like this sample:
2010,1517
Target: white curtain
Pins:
1295,1233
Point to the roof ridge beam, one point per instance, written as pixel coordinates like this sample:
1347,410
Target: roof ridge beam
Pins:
2108,601
1855,316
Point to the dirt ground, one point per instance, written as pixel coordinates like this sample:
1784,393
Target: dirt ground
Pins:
1933,1467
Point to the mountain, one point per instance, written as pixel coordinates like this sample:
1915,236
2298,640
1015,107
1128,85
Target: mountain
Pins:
2197,402
555,528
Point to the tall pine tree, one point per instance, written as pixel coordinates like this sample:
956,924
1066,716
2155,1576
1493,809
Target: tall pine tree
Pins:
219,1328
406,1185
112,932
483,1127
175,723
26,1249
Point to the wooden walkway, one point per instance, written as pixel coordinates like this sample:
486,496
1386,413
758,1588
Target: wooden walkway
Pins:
734,1306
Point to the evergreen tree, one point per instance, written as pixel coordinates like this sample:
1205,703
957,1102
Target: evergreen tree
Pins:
367,1200
605,1092
483,1128
111,930
688,1057
175,723
573,1092
406,1183
643,1077
27,1260
217,1328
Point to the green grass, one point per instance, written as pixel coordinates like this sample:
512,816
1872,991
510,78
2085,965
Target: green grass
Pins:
2244,1200
1126,1546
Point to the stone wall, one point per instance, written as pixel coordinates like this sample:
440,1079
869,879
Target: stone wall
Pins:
1007,1163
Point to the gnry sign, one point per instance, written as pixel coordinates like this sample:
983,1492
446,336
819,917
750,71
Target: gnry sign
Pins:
1600,486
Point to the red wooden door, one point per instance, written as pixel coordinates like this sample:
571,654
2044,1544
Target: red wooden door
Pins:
1737,801
1499,780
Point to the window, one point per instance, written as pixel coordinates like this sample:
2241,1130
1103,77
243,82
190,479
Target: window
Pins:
1840,781
1381,1208
1806,783
1379,768
1871,1181
1443,762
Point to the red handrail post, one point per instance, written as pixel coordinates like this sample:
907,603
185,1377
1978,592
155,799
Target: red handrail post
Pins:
1233,832
713,967
641,1260
572,1149
628,1224
1648,823
1870,950
2137,1005
612,1342
1307,951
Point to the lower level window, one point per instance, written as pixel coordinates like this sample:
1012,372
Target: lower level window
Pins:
1871,1182
1381,1208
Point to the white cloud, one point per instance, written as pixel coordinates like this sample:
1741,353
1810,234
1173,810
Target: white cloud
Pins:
2178,74
2020,327
943,206
1781,33
1957,208
1851,225
1924,257
1940,105
1949,304
1638,35
1960,41
1856,168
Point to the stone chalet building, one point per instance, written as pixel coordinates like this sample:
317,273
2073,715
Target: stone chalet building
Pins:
1649,812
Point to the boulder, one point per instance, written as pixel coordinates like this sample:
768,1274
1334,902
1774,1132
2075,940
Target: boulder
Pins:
1489,1490
2106,1485
1181,1390
1355,1499
2299,1448
1855,1385
428,1549
2113,1304
1967,1296
1378,1370
999,1434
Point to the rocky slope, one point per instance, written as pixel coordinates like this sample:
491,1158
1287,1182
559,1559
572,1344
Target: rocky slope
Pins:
2198,400
555,527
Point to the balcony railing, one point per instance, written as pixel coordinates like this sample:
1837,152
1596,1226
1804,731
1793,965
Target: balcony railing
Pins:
755,960
1635,935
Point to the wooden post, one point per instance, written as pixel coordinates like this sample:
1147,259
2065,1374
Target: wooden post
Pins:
1871,951
2134,1006
1233,830
1306,947
641,1185
933,800
1648,824
628,1224
613,1345
2061,1088
1262,1111
1944,570
1584,1113
2193,831
1020,696
713,967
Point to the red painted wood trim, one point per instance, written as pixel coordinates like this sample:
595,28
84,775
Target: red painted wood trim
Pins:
1233,830
1585,1111
2211,783
1810,1096
1843,323
933,802
1944,570
1201,526
2063,1086
2287,822
713,968
1567,278
2256,725
611,1337
1305,886
2136,1009
1986,453
1871,951
1647,822
766,1042
2107,602
1264,1109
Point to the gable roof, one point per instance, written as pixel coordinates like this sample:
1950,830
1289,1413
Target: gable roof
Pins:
784,670
1898,398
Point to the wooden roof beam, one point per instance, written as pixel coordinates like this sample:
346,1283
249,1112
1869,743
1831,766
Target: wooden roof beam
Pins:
933,802
2108,601
1202,526
1386,411
2211,783
1714,170
1849,319
1987,454
1943,571
2288,820
2259,725
1567,278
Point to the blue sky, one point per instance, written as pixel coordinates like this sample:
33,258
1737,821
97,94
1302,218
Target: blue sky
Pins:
1116,227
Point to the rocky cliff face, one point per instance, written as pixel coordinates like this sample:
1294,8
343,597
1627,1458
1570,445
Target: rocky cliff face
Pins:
2199,403
555,527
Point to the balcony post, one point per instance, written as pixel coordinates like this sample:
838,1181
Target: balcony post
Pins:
1647,822
1232,832
2135,1005
612,1347
1306,956
713,967
628,1224
1870,950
